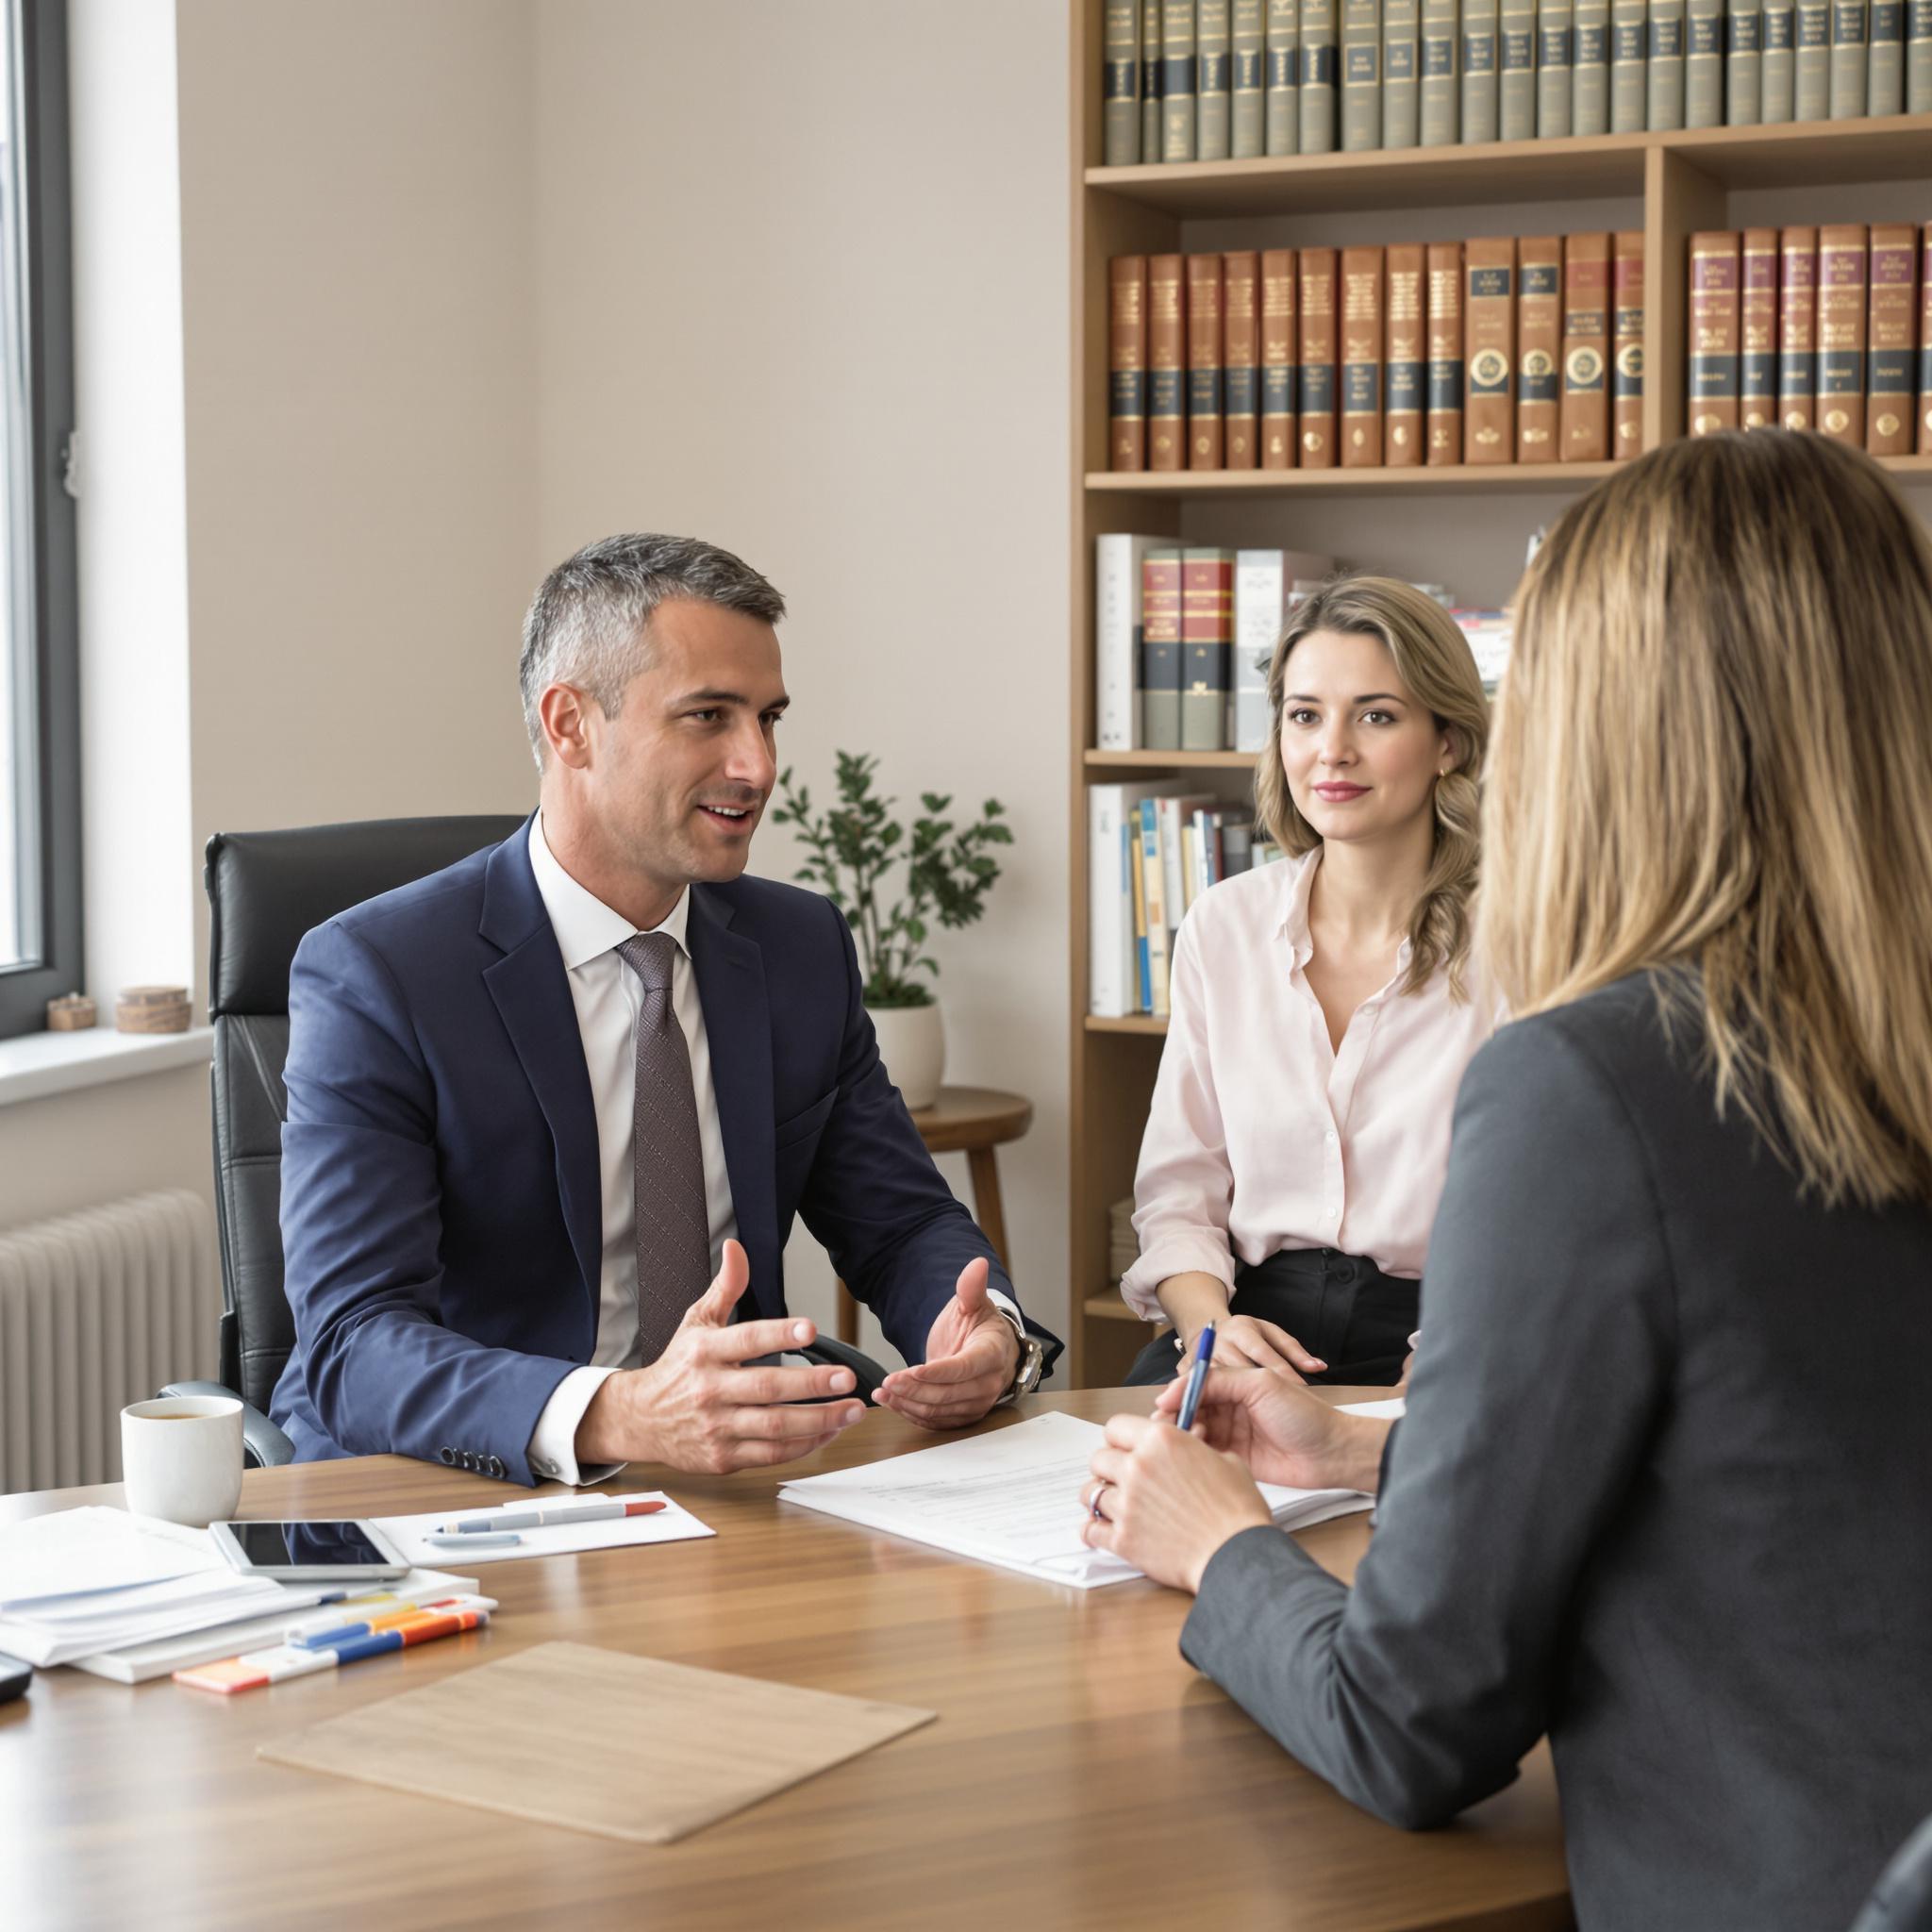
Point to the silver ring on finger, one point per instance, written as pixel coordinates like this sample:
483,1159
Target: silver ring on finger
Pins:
1093,1507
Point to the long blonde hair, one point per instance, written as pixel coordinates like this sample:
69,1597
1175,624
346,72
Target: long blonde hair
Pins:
1714,757
1432,657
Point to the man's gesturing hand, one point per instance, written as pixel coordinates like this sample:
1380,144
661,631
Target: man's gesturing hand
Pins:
970,1358
698,1407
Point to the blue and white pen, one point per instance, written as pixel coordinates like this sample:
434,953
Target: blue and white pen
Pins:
1191,1398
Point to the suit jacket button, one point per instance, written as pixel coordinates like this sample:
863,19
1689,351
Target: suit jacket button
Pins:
449,1455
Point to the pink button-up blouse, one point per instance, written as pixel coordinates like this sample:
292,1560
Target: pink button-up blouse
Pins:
1262,1136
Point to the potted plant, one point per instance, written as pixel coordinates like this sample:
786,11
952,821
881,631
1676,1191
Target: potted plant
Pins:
948,874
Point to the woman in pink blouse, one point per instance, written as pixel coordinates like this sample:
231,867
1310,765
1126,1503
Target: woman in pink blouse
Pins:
1322,1011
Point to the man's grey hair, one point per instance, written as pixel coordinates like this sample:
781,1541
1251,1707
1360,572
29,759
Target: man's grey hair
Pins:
590,622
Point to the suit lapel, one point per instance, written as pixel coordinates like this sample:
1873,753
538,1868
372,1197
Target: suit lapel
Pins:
731,972
532,996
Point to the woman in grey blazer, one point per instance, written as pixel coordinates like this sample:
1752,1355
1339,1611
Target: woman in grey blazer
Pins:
1664,1487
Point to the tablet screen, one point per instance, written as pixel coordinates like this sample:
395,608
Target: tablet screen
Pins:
312,1545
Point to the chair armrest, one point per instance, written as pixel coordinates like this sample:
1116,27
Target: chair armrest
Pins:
866,1371
263,1445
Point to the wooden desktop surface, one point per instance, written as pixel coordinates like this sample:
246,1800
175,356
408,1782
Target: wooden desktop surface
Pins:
1080,1772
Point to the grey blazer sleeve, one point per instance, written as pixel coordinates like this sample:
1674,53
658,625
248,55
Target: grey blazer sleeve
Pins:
1550,1312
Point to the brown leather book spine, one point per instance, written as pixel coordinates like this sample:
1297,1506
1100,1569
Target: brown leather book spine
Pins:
1126,362
1204,362
1167,350
1539,346
1444,420
1889,339
1361,359
1842,250
1404,366
1627,342
1489,305
1241,383
1713,386
1925,343
1318,424
1281,359
1758,331
1584,422
1797,328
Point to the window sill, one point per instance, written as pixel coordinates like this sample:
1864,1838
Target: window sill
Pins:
38,1064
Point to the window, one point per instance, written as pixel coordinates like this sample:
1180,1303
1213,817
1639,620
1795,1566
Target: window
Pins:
40,721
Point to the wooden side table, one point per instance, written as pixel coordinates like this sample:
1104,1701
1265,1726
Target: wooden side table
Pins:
972,1121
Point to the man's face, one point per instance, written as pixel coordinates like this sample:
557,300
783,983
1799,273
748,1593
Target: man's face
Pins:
678,778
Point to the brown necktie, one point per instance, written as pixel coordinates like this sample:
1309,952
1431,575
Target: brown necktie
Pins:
673,1226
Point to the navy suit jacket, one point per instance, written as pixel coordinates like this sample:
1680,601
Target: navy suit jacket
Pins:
442,1209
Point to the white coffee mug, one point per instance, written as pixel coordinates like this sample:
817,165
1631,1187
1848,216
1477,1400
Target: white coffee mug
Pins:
181,1457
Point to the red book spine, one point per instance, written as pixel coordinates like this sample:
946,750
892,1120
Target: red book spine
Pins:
1361,359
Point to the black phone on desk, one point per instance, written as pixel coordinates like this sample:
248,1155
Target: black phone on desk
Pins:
14,1679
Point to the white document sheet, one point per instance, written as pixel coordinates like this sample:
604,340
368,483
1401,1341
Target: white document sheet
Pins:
1013,1498
671,1524
94,1551
1391,1410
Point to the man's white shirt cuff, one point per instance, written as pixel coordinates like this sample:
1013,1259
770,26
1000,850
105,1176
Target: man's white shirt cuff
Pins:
553,1451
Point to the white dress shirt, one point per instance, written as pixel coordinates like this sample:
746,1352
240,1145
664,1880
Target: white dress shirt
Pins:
607,996
1263,1134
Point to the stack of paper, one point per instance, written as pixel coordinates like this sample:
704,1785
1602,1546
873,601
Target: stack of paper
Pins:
83,1580
1013,1498
125,1597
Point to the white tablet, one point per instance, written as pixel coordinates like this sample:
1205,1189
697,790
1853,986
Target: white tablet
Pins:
312,1552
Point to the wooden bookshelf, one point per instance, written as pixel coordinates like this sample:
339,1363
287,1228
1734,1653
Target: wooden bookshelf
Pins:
1668,184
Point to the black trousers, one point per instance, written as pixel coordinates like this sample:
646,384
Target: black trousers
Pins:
1342,1309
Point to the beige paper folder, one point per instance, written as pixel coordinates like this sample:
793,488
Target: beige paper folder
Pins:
629,1747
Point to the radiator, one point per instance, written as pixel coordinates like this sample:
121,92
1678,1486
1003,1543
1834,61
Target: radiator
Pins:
97,1309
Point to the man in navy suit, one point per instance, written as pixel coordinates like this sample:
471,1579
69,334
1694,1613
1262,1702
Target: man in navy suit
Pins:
552,1110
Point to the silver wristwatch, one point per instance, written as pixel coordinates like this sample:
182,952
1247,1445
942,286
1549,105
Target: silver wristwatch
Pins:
1032,1365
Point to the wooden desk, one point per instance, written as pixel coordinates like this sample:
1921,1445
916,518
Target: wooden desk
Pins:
972,1121
1080,1773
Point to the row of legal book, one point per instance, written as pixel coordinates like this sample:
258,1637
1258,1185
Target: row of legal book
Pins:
1152,850
1825,328
1488,351
1210,80
1183,638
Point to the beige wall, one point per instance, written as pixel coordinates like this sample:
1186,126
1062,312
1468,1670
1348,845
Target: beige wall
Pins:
825,323
467,282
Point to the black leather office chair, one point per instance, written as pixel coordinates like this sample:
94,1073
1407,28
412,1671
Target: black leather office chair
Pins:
266,889
1901,1899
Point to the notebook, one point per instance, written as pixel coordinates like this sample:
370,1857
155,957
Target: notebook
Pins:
626,1747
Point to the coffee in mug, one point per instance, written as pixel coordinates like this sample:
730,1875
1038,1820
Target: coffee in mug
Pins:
191,1474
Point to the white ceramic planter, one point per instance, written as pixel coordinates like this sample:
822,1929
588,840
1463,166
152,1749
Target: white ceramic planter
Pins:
912,1043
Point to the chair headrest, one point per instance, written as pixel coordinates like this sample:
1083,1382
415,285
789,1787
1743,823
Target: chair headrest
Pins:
266,889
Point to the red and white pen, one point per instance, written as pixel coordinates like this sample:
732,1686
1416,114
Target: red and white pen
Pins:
605,1510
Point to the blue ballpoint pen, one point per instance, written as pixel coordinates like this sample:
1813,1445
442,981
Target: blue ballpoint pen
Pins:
1190,1400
